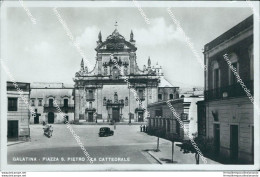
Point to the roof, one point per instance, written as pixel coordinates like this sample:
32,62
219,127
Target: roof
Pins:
165,83
16,86
115,41
159,103
55,89
50,85
42,93
230,33
115,36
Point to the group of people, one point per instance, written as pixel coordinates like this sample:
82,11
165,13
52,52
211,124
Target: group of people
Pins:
47,130
143,128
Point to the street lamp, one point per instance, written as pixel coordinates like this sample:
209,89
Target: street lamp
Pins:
173,139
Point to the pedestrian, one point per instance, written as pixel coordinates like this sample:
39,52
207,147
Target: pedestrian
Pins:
114,126
47,127
51,130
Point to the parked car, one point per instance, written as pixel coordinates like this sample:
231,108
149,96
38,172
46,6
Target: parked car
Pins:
105,131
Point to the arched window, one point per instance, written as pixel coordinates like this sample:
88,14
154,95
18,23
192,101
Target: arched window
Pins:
65,102
141,94
104,101
251,58
50,102
216,75
105,70
234,61
126,101
115,97
125,70
90,94
159,97
171,96
115,73
33,102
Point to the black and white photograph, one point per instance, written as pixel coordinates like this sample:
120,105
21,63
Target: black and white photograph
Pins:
129,85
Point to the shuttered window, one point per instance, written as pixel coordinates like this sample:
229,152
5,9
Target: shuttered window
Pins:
12,104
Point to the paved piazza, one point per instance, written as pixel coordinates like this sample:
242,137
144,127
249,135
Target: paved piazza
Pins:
127,146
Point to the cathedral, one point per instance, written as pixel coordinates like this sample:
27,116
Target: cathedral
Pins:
103,95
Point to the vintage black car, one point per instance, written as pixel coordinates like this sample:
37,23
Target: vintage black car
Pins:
105,131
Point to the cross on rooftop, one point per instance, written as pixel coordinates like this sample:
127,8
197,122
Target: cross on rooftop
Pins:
116,24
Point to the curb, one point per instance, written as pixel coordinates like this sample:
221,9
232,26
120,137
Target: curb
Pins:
158,160
16,143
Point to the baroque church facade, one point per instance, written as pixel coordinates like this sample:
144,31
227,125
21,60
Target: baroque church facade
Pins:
103,95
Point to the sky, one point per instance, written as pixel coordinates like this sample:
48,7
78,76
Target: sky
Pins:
42,52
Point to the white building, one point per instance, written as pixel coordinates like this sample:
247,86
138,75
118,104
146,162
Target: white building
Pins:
43,99
18,114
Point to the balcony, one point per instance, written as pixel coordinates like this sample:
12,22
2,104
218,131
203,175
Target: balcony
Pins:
231,91
119,103
63,108
141,97
90,109
90,97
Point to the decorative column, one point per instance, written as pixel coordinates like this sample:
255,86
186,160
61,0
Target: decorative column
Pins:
77,106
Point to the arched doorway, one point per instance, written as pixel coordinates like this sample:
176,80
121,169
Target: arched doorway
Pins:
50,117
115,114
140,116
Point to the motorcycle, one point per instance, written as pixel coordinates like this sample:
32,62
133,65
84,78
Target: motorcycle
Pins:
47,131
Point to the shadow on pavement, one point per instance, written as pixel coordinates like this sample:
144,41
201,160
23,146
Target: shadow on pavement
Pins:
168,160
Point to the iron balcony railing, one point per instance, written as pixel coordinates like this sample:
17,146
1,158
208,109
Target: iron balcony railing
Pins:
60,105
54,108
235,90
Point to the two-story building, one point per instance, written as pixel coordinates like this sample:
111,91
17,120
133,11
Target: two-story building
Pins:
50,101
18,113
227,114
162,117
163,120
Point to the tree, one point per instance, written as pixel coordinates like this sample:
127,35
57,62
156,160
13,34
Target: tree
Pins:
188,147
173,137
159,132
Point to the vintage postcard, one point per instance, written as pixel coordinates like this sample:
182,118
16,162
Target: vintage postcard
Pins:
129,85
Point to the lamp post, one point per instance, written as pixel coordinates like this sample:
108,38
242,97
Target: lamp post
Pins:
129,106
172,149
173,139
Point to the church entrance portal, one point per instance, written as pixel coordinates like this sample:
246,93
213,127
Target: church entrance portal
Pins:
90,117
140,116
115,114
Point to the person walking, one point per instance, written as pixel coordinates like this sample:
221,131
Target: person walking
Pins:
114,125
